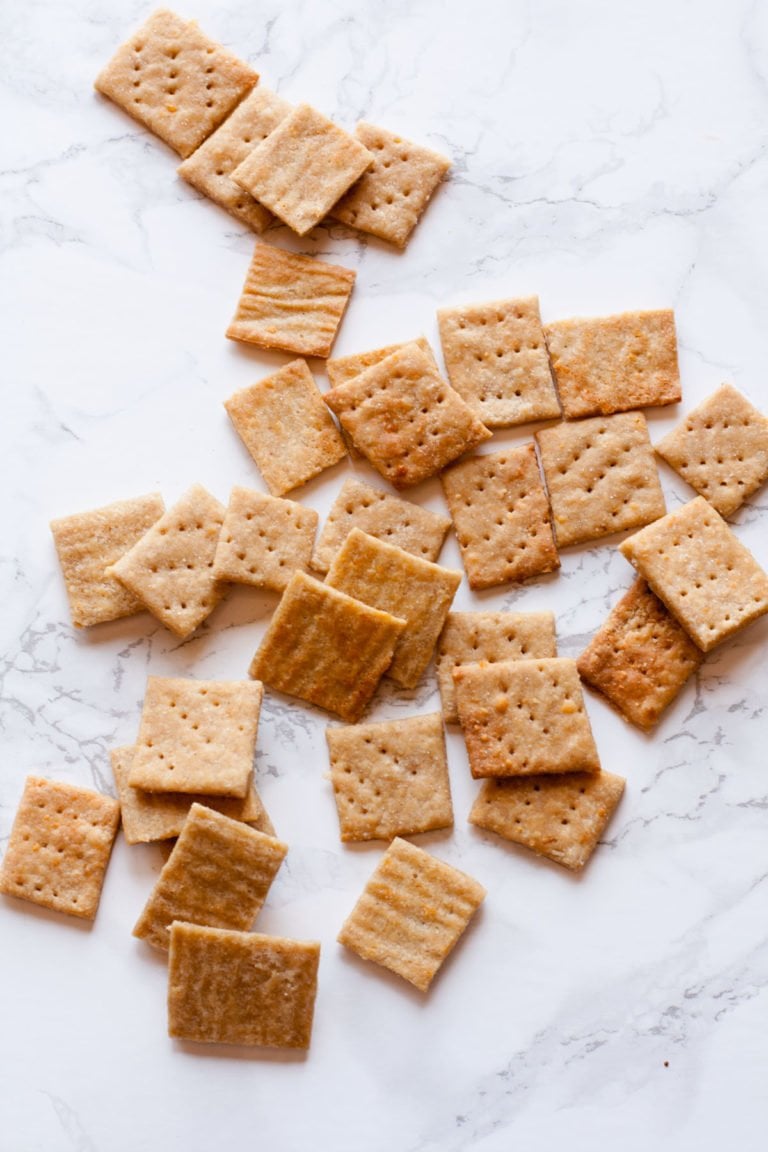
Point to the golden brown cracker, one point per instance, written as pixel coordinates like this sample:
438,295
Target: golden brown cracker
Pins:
264,540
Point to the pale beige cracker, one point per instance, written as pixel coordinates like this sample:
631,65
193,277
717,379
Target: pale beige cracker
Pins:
720,449
396,521
615,363
524,717
264,540
209,169
391,778
90,542
562,817
170,77
411,914
491,637
197,736
286,427
389,198
302,168
326,648
170,569
59,847
241,987
496,358
601,477
218,874
404,585
343,368
641,658
701,571
404,418
501,515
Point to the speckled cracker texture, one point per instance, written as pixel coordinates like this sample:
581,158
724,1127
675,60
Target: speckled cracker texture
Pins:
264,540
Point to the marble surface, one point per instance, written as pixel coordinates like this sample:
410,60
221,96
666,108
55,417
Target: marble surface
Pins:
605,156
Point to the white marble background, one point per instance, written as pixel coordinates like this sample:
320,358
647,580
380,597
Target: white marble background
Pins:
607,155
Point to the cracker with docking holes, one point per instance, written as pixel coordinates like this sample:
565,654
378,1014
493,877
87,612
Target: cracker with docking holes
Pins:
264,540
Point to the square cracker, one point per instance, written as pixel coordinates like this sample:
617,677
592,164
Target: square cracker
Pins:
641,658
562,817
291,302
388,200
524,717
492,637
701,571
302,168
175,81
720,449
411,914
59,847
241,987
397,582
390,779
501,515
615,363
404,418
170,569
209,169
496,358
150,816
218,874
411,527
326,648
601,476
285,426
88,543
197,736
264,540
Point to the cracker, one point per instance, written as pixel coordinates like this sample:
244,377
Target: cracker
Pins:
391,778
170,77
496,358
59,847
601,476
492,637
218,874
170,569
343,368
404,418
326,648
397,582
150,816
88,543
264,540
615,363
701,571
291,302
388,200
720,449
524,717
302,168
411,914
641,658
501,515
241,987
285,426
197,736
562,817
209,169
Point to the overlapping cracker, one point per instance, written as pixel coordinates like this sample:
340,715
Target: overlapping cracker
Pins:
615,363
170,77
240,987
720,449
264,540
601,477
326,648
59,847
343,368
496,358
411,914
90,542
701,571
